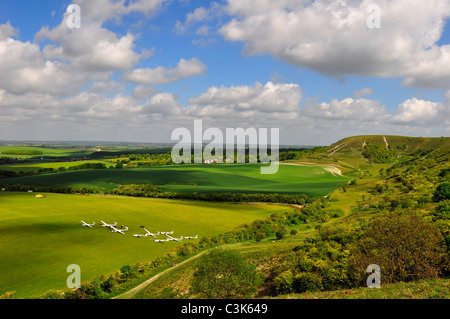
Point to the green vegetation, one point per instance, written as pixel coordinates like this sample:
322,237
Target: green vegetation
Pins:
442,192
22,152
378,154
105,287
41,237
149,190
17,170
28,152
224,274
390,207
405,246
422,289
388,215
218,178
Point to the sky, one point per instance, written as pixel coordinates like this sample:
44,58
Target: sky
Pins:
135,70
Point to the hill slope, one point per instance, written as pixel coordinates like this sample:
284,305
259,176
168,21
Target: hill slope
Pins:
316,253
351,146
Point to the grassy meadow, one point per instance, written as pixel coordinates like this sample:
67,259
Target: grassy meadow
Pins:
26,152
41,237
237,178
35,167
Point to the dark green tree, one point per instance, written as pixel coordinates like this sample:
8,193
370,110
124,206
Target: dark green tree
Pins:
225,274
442,192
405,247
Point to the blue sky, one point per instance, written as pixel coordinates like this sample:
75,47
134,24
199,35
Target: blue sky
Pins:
226,62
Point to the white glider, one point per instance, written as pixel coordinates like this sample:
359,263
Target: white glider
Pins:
171,238
115,230
147,234
189,237
108,225
87,225
161,240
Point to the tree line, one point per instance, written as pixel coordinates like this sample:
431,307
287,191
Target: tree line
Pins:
149,190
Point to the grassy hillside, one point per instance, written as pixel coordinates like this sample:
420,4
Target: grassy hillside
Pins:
176,282
423,289
353,147
320,253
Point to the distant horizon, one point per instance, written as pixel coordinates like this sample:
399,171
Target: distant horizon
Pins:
98,143
111,142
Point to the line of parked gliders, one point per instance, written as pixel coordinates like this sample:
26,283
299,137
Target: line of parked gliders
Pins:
123,229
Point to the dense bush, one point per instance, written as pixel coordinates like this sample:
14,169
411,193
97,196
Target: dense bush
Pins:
281,233
224,274
306,281
445,173
442,192
402,243
442,211
404,246
378,153
318,263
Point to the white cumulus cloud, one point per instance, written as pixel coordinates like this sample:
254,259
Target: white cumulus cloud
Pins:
332,37
162,75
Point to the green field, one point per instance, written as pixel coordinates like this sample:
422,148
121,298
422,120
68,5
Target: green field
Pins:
237,178
41,237
43,152
34,167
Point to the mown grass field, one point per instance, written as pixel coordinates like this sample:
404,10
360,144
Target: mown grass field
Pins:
34,167
237,178
41,237
43,152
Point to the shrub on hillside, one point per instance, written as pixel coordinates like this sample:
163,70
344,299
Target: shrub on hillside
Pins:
224,274
283,283
378,153
442,192
307,281
445,173
442,211
52,294
404,246
281,233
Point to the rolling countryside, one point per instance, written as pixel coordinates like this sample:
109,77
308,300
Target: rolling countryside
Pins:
348,183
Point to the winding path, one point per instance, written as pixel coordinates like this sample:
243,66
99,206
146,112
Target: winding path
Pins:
138,288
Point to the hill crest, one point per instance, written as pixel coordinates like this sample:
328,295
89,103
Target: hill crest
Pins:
397,144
